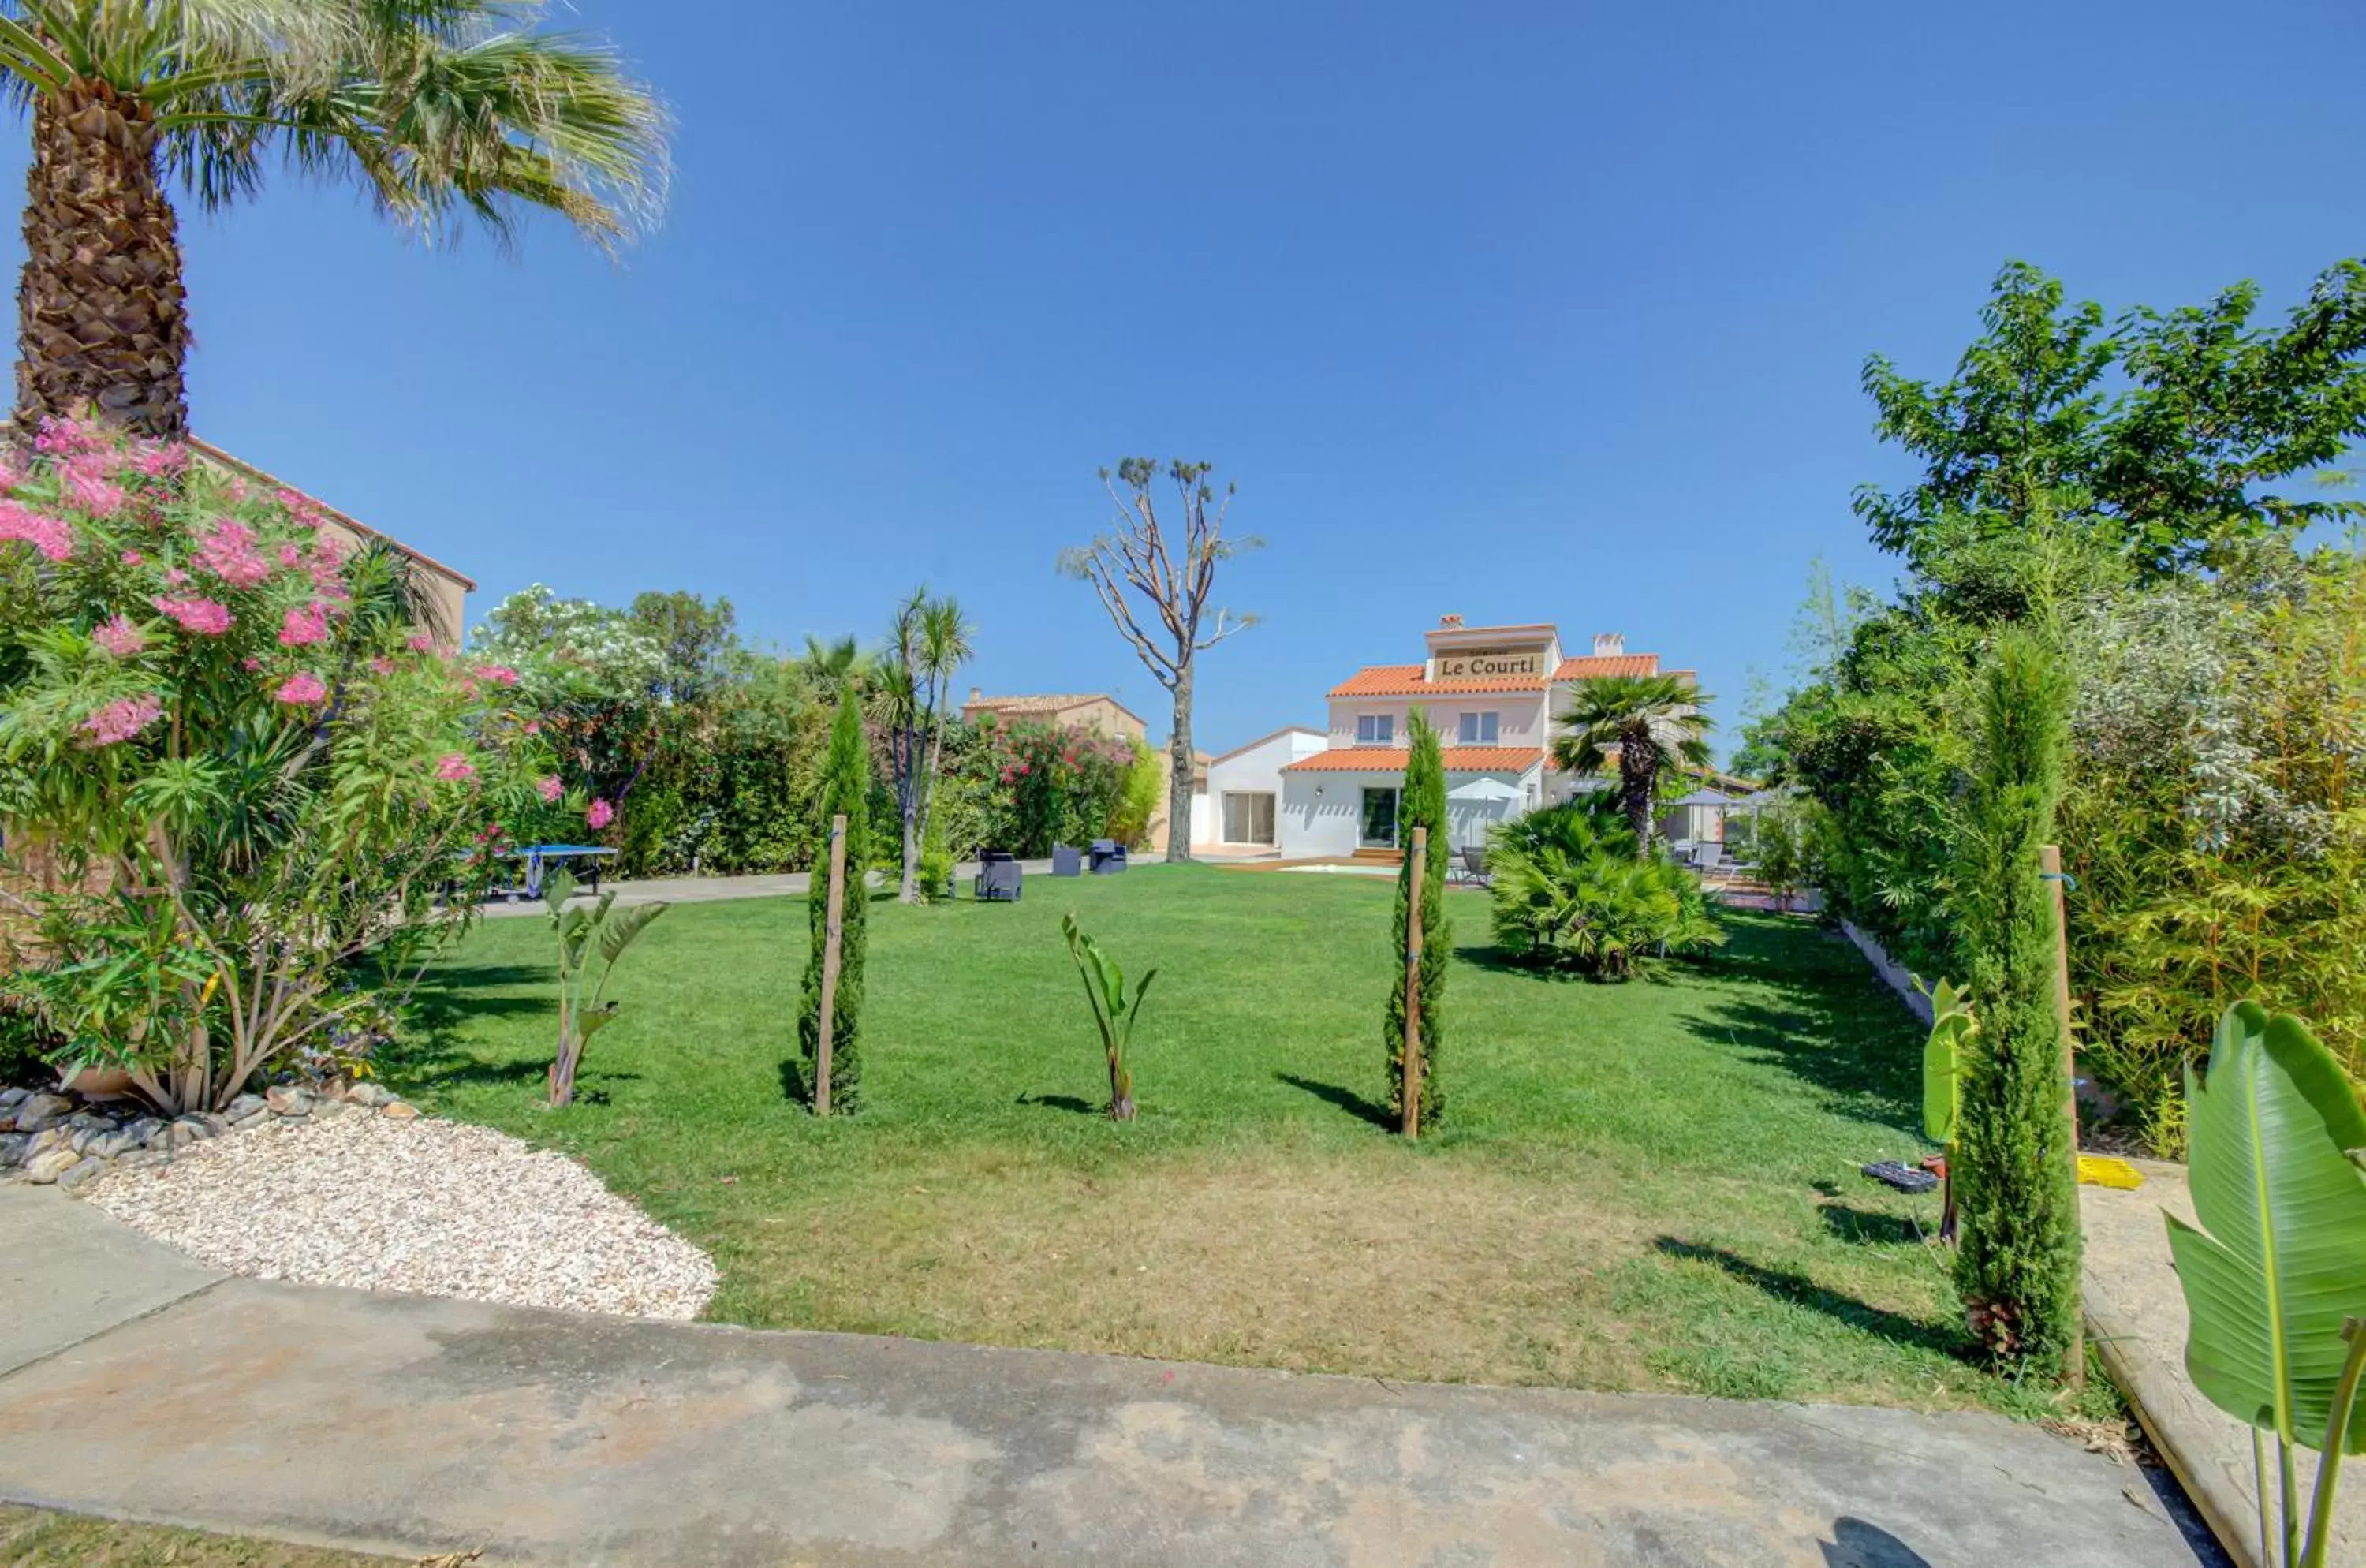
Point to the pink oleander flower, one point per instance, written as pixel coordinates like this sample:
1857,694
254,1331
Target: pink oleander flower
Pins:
305,624
121,720
236,489
453,768
419,642
203,616
250,664
227,551
132,557
382,665
120,638
88,481
291,555
550,788
534,726
600,816
162,460
301,689
302,509
51,536
175,577
498,674
467,685
66,438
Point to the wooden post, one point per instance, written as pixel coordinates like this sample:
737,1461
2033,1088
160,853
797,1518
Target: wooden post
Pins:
2049,862
833,923
1416,872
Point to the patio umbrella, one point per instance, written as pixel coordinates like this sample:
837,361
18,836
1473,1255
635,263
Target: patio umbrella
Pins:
1483,789
1704,796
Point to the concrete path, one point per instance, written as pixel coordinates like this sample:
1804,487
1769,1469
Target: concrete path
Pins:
2136,1311
410,1425
722,889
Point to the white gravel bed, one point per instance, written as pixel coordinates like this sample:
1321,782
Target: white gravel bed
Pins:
439,1208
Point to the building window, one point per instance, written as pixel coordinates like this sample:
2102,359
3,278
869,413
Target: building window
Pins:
1376,729
1477,729
1249,818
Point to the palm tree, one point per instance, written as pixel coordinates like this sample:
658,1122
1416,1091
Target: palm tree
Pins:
436,107
1656,725
948,641
833,666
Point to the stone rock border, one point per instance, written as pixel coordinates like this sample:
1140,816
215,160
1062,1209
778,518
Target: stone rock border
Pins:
50,1137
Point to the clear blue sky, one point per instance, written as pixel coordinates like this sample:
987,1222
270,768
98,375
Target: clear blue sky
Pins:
1524,312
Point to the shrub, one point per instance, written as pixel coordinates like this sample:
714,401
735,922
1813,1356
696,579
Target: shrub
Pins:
936,863
847,787
1424,807
2016,1187
254,769
1568,892
1056,785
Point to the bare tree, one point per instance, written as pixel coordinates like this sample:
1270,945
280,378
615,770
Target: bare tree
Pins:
1137,563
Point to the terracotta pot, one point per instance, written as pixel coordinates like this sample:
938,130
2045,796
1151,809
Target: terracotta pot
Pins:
96,1083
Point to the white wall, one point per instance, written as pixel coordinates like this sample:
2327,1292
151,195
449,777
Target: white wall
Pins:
1320,813
1519,716
1254,769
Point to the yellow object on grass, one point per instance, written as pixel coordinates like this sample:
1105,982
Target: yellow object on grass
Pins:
2095,1171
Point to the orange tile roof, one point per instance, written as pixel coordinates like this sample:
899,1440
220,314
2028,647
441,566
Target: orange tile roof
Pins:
1594,668
1393,759
1404,680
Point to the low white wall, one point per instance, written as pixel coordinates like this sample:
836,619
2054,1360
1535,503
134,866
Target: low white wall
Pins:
1893,973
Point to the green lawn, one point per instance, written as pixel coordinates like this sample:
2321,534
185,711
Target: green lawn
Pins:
36,1538
1649,1186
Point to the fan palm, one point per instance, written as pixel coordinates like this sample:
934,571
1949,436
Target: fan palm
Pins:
436,107
1657,725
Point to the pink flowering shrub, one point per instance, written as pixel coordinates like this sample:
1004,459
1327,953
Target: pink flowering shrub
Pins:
258,768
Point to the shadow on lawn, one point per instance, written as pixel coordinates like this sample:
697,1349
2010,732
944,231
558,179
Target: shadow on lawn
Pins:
1800,1291
1076,1103
1867,1227
1347,1099
1819,1014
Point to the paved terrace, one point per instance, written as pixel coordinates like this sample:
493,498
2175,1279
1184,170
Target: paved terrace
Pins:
137,1383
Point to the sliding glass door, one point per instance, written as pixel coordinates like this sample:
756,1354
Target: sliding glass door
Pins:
1379,824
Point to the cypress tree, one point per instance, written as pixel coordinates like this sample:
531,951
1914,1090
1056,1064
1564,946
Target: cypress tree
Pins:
2015,1177
1421,803
845,787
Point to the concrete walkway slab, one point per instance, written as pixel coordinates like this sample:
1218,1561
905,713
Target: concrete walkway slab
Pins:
407,1423
2136,1313
68,1271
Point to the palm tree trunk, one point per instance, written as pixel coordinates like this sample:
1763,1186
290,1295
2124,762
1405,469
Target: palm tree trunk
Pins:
101,324
1639,773
1179,773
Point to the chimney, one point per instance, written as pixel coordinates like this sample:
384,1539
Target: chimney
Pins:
977,695
1609,645
1450,622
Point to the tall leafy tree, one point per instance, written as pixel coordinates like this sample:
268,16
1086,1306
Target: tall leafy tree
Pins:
1655,724
2160,437
1423,805
438,108
2014,1166
698,639
1155,577
846,787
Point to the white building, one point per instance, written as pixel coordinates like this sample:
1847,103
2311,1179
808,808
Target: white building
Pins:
1495,694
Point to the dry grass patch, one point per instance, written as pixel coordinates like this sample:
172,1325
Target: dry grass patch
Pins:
1391,1264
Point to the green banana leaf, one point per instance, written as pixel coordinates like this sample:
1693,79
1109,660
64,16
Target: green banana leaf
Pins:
2283,1259
1943,1095
617,934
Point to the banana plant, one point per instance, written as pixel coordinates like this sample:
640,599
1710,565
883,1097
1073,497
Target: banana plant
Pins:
601,929
2275,1275
1952,1029
1115,1017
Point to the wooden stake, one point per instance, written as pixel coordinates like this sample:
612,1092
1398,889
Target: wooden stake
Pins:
2049,861
833,924
1416,874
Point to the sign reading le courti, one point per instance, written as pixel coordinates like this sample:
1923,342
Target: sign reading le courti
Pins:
1481,663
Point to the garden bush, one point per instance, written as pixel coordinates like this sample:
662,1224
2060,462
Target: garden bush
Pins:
1570,891
253,766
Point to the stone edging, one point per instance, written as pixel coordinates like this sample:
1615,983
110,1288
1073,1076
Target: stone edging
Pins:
48,1137
1893,973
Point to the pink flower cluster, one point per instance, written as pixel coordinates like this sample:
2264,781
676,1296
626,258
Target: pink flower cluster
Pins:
550,788
305,624
301,690
120,637
453,768
302,509
498,674
121,720
88,481
419,642
204,616
227,551
161,460
50,535
601,815
67,438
